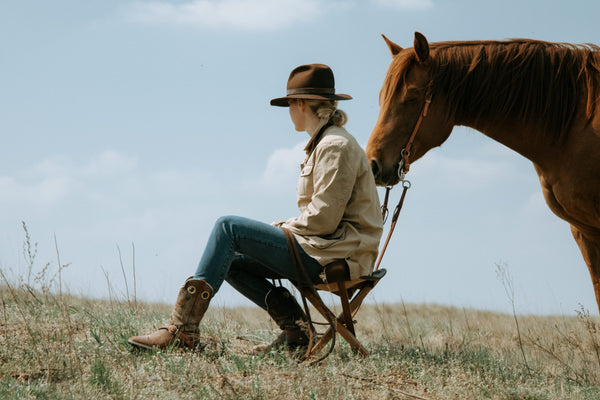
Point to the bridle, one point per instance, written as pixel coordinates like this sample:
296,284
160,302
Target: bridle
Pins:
403,168
404,165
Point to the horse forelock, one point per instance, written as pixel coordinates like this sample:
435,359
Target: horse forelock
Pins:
395,75
538,83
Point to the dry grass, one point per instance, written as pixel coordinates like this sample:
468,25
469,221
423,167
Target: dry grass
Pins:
54,346
426,351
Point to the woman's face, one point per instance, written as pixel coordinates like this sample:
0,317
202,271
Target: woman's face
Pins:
296,115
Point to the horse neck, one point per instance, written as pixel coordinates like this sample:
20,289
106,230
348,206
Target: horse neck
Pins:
525,138
517,137
527,101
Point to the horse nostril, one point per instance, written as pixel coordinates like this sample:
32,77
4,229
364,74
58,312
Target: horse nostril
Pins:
375,167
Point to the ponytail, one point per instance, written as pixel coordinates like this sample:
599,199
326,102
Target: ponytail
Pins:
328,111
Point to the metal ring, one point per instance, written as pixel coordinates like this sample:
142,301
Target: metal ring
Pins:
205,295
191,289
406,183
401,171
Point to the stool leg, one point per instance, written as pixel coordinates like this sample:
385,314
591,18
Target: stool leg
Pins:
352,340
322,342
339,328
347,319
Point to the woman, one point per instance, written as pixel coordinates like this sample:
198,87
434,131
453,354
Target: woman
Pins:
339,219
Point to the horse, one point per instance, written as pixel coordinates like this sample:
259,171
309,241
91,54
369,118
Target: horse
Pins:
541,99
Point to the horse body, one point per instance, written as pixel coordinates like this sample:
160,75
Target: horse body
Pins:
539,99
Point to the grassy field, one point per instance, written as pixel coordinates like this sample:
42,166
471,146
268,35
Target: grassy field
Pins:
54,346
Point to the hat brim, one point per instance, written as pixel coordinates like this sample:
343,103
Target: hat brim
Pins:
283,101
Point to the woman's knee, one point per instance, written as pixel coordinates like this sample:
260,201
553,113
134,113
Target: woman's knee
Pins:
226,224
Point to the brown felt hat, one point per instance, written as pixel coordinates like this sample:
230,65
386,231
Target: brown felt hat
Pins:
312,81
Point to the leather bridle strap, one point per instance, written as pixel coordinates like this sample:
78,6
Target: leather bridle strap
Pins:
402,170
406,151
406,186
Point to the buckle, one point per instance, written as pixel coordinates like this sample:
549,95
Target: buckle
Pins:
173,329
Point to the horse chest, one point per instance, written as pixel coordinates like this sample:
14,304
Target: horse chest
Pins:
573,200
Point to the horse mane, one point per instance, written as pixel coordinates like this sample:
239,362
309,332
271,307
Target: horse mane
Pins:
535,82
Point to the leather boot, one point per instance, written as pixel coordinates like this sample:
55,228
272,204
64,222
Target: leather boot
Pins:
182,329
286,312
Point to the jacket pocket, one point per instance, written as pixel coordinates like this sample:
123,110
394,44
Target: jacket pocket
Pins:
306,170
305,183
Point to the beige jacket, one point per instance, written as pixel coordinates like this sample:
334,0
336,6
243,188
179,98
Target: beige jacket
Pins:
340,214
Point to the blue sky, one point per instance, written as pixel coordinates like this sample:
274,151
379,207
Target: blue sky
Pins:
141,122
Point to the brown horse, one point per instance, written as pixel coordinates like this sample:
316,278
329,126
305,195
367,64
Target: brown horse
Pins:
540,99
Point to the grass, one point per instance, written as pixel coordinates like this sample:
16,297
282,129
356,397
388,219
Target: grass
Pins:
55,346
423,351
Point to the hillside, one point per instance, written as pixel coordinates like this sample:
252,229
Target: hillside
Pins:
61,347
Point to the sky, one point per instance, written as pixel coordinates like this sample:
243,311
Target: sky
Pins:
129,127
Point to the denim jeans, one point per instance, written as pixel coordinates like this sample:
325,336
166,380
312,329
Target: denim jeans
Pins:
246,254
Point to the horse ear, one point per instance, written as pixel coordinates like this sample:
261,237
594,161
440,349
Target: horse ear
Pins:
394,48
421,47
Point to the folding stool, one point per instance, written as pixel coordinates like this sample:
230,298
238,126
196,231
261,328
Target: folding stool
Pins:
351,292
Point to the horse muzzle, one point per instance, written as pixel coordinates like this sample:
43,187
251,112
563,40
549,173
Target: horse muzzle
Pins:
385,177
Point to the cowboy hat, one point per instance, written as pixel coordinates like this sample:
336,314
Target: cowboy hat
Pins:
312,81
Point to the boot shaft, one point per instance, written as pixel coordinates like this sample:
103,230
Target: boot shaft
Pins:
285,310
191,304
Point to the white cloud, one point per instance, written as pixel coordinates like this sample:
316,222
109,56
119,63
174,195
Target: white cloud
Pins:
466,173
110,163
39,190
283,167
109,182
57,180
52,190
242,14
54,166
405,4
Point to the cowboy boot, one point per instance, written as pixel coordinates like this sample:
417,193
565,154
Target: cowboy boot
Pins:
182,329
286,312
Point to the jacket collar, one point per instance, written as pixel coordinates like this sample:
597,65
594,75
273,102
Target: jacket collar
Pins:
314,141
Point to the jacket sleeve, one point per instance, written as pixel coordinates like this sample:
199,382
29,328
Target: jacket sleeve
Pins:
334,175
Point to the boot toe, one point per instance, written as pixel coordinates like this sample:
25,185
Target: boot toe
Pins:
157,340
140,341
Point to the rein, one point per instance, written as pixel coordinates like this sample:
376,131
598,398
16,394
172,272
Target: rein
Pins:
403,168
384,211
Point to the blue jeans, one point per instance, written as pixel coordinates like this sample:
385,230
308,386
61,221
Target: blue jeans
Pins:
246,253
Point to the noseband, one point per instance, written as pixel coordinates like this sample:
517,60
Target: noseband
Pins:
404,162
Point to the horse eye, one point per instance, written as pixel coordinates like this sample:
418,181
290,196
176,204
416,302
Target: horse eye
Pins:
412,95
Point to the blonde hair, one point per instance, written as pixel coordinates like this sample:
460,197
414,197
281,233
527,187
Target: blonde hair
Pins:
327,110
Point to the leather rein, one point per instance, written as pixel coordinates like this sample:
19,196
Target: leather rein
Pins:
403,168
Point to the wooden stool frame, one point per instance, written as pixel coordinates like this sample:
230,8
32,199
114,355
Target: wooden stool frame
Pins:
351,295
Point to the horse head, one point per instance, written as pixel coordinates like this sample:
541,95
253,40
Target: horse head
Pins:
405,96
